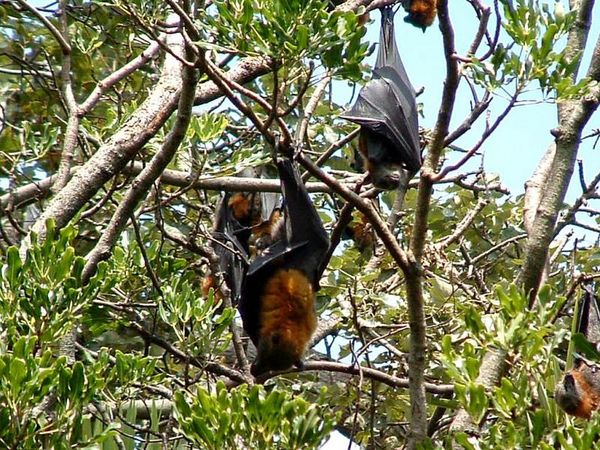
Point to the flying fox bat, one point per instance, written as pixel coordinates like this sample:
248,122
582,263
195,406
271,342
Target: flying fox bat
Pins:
578,393
229,232
242,219
386,110
361,232
421,13
277,302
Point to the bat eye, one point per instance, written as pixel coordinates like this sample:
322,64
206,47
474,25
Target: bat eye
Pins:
276,339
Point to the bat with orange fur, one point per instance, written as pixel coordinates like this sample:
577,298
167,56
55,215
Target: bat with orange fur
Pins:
277,302
421,13
243,224
230,244
578,393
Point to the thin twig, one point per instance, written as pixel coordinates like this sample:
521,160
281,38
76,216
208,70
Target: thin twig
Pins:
460,229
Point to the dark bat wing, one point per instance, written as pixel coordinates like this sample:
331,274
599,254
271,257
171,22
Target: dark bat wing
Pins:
303,226
589,317
303,247
387,105
230,251
305,240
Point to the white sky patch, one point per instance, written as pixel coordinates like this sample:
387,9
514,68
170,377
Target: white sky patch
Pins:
337,441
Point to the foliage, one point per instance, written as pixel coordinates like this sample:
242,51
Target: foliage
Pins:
252,418
536,35
154,360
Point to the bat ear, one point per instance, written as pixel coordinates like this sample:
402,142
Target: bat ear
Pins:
569,382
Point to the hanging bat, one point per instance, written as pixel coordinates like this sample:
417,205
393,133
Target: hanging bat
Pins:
242,218
578,393
421,13
277,302
233,211
386,110
361,232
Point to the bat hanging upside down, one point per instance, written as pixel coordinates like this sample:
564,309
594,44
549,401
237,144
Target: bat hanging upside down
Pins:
386,111
578,393
277,302
244,224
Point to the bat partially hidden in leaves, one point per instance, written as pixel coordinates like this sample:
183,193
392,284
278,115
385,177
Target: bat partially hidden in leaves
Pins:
578,393
243,226
277,302
229,234
386,110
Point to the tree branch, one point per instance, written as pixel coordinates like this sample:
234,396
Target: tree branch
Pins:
414,281
141,185
353,369
144,123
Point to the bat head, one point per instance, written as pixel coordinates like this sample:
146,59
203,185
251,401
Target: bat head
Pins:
240,205
575,396
568,395
384,176
418,20
380,160
278,350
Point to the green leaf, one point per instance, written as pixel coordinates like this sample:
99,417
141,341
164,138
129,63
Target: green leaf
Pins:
583,346
77,380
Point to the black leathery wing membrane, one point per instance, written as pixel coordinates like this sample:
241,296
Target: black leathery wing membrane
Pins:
387,105
589,317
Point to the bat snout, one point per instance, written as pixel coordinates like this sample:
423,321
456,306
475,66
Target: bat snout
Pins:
383,176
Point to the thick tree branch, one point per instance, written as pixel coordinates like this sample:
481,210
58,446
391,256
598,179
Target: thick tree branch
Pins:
142,183
113,156
36,190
